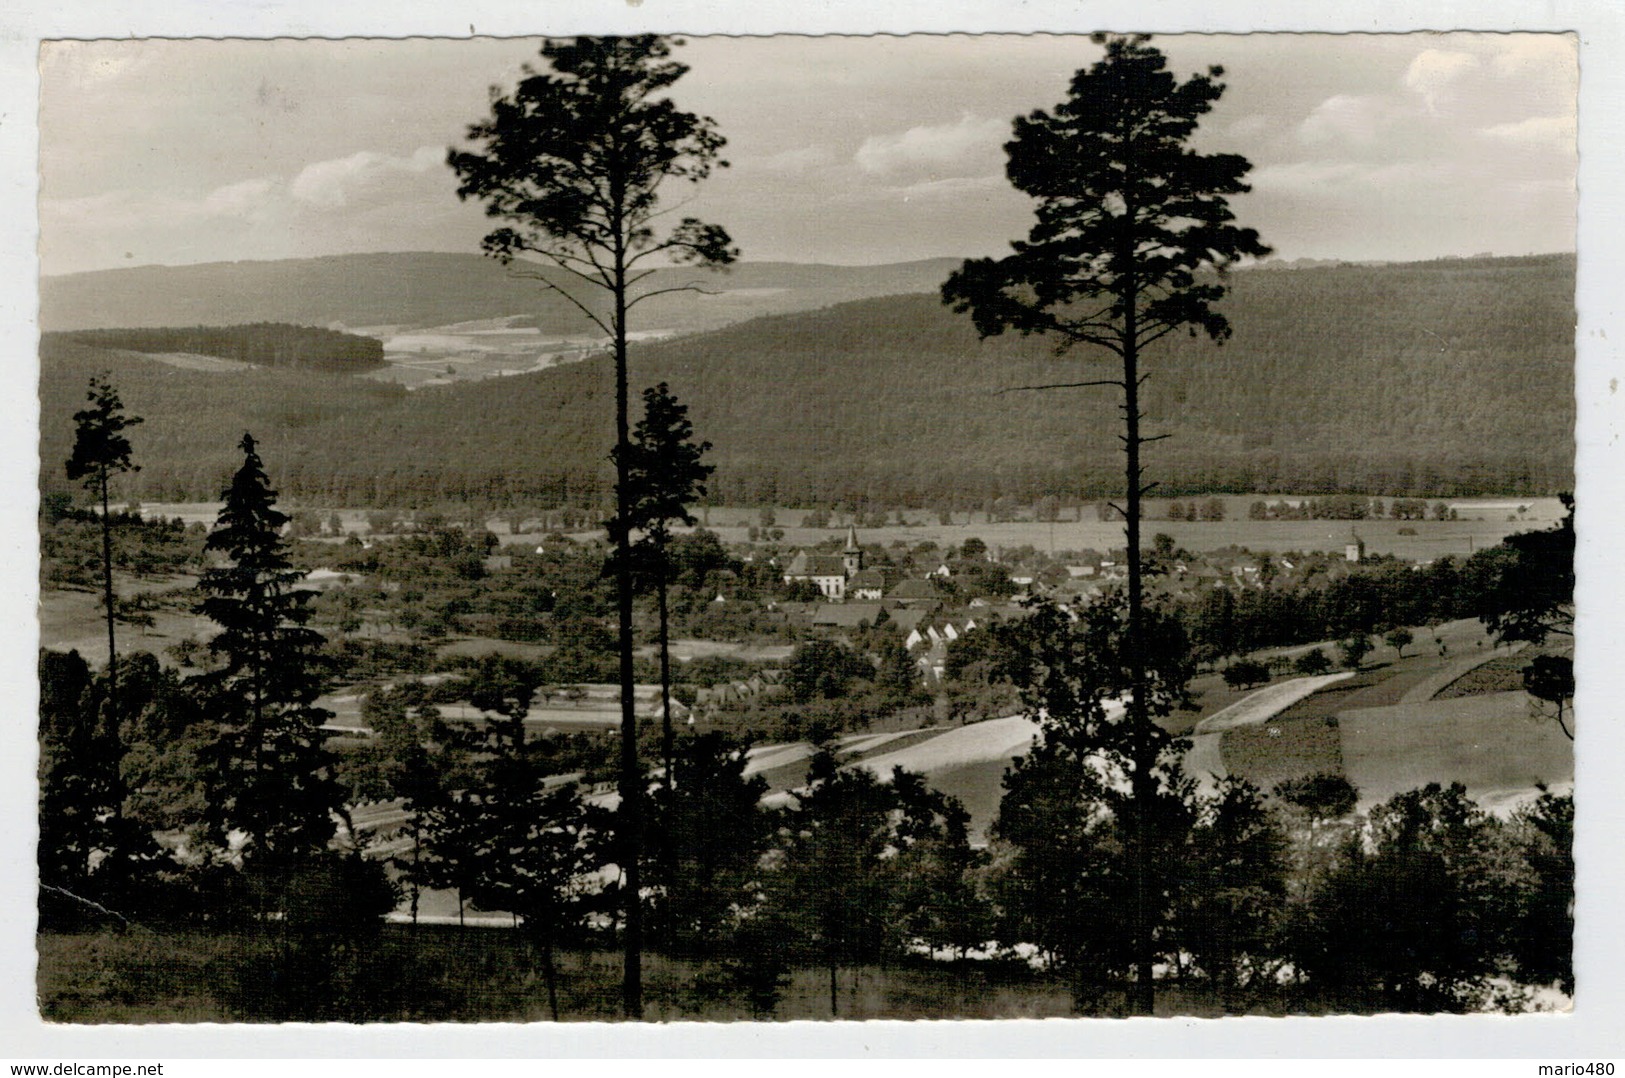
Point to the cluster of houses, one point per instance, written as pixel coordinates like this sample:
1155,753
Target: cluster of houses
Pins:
762,683
854,597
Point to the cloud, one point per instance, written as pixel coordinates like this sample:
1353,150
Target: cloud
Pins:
349,183
1351,118
964,148
248,198
1556,132
1435,71
951,187
1321,177
335,183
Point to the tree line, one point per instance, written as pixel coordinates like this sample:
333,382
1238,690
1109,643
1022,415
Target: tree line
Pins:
270,344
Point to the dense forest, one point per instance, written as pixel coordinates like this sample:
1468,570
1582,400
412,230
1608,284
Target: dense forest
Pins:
1432,379
266,344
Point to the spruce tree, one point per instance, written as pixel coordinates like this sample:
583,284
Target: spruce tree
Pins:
665,475
271,778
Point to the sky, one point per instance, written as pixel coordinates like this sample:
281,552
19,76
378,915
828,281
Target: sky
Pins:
847,150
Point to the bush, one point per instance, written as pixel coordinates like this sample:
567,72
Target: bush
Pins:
1325,796
1245,673
1312,663
1352,652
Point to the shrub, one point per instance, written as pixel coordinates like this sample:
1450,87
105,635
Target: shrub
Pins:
1312,662
1245,673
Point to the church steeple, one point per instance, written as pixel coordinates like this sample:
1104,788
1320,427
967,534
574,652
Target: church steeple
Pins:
852,556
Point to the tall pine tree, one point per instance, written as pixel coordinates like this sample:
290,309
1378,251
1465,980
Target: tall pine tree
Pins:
101,451
1133,231
574,160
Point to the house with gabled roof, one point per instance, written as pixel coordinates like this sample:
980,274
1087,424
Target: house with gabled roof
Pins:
914,592
846,616
830,573
866,585
908,618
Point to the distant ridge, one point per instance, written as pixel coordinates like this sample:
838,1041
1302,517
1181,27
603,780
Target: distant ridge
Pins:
419,289
1443,378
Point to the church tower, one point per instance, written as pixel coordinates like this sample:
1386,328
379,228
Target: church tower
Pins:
852,556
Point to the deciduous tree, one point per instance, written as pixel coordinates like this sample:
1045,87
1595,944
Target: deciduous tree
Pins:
1245,673
852,846
1530,597
1352,650
1416,910
1073,807
535,847
1133,233
710,822
1235,890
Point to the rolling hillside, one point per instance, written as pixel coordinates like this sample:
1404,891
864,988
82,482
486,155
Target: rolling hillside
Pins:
424,289
1427,379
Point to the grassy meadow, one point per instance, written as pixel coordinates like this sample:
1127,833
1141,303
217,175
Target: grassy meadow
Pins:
436,973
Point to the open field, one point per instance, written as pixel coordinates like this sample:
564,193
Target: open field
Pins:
1500,671
1482,524
471,351
683,651
1284,749
191,361
1492,744
1433,539
74,621
1349,724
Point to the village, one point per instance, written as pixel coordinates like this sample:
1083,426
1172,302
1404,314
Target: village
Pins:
799,644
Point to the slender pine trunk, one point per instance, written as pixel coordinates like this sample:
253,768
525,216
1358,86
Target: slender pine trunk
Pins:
666,737
417,860
631,810
107,600
1142,784
666,853
834,989
551,974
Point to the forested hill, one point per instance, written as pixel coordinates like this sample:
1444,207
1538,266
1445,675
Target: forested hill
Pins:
270,344
425,289
1424,379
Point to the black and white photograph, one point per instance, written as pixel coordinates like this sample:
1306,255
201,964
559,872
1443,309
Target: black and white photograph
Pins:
665,527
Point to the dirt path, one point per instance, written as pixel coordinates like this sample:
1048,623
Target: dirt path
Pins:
1267,703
